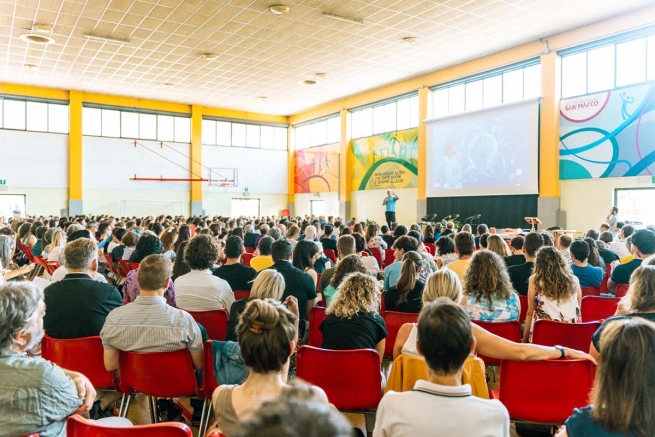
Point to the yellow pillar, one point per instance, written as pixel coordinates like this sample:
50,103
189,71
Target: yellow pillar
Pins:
423,94
75,184
345,167
291,180
549,126
196,159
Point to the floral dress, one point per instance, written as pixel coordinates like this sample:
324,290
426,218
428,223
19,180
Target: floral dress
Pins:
502,310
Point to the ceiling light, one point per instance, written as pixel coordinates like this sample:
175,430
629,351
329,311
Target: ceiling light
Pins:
36,38
168,84
308,82
344,19
209,56
263,98
321,75
31,66
279,9
108,39
409,40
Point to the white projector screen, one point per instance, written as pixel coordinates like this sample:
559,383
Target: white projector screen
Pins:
492,151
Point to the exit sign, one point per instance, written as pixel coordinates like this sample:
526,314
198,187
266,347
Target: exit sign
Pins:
3,181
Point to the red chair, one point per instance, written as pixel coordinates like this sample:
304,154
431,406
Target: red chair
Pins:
590,291
241,294
316,317
544,391
365,254
508,330
51,266
597,308
606,277
430,248
245,259
318,280
331,255
209,384
524,308
27,250
389,257
250,249
356,387
127,267
214,322
383,306
573,335
377,254
134,266
621,290
394,320
77,426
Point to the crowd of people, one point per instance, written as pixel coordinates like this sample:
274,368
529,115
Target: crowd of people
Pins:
448,277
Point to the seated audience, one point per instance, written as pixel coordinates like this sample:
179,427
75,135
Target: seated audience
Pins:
345,246
148,244
483,240
327,240
488,292
498,246
9,270
370,262
593,234
347,265
429,265
618,246
594,257
168,238
442,405
608,256
263,260
239,276
562,243
401,246
37,249
480,231
445,251
126,247
588,275
548,238
199,289
56,248
304,256
406,295
180,267
520,274
387,235
292,235
352,320
644,246
250,237
464,247
450,229
630,247
374,240
428,234
117,235
516,247
553,292
62,271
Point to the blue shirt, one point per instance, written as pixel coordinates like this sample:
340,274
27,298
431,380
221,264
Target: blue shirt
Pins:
391,203
582,424
590,276
391,274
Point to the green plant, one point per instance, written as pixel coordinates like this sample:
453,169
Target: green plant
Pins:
457,223
370,222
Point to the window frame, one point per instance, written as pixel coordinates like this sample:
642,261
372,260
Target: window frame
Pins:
379,109
246,123
309,126
26,101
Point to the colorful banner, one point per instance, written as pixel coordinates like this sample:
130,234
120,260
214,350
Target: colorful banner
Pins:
608,134
385,161
316,170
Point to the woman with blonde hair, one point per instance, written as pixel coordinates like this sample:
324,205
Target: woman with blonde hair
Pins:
292,235
623,397
488,292
467,228
553,291
498,246
405,296
352,320
56,248
359,229
269,284
168,238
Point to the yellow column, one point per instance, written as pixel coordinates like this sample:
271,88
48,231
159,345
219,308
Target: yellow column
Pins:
345,167
75,185
291,186
549,126
196,159
422,141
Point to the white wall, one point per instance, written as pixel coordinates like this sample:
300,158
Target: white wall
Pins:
221,203
368,205
587,201
301,203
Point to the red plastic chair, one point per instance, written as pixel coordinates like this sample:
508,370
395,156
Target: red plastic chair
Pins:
606,277
250,249
318,280
621,290
573,335
508,330
394,320
365,254
597,308
126,266
245,259
331,255
590,291
77,426
110,264
355,387
51,266
316,317
27,250
383,306
544,391
377,254
214,322
524,308
430,248
389,257
241,294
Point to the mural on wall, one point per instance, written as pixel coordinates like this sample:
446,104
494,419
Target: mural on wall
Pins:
608,134
385,161
316,170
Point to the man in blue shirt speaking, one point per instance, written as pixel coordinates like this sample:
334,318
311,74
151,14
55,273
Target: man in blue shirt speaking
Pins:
390,211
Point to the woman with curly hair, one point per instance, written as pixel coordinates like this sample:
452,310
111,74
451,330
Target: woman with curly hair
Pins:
350,264
352,320
488,292
553,291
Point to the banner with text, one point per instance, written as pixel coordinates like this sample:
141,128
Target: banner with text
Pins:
608,134
385,161
316,170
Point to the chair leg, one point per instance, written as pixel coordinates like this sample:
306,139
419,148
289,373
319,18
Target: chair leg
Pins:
369,418
152,401
125,406
204,419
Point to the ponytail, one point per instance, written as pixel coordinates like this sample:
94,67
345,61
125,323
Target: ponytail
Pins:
412,261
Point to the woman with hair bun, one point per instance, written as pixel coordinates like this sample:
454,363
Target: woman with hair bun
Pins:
268,336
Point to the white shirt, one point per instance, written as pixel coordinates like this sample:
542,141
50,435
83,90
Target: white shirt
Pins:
619,248
56,254
437,410
371,265
59,274
200,290
647,260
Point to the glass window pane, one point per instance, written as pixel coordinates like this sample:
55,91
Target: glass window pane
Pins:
378,120
390,117
367,122
238,134
14,114
37,116
319,133
165,128
209,132
281,138
474,95
413,115
1,109
148,126
58,119
182,130
456,99
492,90
268,137
356,128
253,136
111,123
600,70
90,121
513,86
574,75
651,58
223,133
302,137
532,82
403,114
334,130
631,62
440,102
129,125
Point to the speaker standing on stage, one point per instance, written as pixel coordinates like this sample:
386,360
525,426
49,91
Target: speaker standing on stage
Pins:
390,203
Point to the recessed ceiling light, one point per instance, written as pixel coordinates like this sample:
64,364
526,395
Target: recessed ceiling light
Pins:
263,98
168,84
342,18
36,38
409,40
209,56
108,39
308,82
321,75
279,9
31,66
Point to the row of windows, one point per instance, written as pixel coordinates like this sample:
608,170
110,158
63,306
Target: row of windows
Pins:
318,133
123,124
393,116
226,133
33,116
608,67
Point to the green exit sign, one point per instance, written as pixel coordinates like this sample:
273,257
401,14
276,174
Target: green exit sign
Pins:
4,181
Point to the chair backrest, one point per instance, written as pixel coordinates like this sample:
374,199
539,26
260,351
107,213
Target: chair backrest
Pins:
77,426
316,317
430,248
573,335
364,254
606,277
377,254
110,263
83,355
250,249
160,374
241,294
51,266
590,291
389,257
318,280
214,322
621,290
331,255
209,382
597,308
394,320
39,260
508,330
524,308
383,306
125,265
245,259
529,392
351,379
